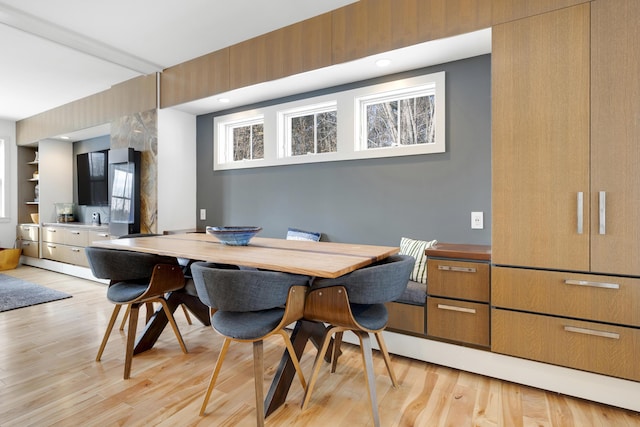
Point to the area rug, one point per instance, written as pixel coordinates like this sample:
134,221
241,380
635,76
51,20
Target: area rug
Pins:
16,293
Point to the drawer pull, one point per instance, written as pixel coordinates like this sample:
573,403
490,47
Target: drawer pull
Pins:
75,250
75,232
454,308
103,235
458,269
50,245
51,230
592,284
585,331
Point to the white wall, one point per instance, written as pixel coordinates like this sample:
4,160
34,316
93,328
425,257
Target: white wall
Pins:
176,170
9,223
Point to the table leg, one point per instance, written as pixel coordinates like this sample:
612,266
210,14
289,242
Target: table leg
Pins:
159,321
303,332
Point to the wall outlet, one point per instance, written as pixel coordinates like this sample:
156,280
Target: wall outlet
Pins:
477,220
203,214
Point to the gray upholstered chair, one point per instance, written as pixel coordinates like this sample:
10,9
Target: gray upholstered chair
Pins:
355,302
250,305
183,262
135,278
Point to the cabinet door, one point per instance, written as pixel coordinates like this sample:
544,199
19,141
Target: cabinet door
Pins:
540,151
615,136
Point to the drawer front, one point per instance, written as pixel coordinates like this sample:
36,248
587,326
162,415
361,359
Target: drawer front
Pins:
94,236
75,237
589,346
30,248
406,317
458,279
53,235
583,296
28,232
64,253
461,321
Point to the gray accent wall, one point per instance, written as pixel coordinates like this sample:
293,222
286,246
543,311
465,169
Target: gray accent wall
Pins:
371,201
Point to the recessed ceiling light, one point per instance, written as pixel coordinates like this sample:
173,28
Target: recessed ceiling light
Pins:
64,137
383,62
223,100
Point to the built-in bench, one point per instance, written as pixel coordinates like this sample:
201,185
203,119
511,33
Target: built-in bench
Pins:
407,313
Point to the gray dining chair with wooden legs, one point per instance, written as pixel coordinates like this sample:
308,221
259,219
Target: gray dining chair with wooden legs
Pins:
135,278
249,306
355,302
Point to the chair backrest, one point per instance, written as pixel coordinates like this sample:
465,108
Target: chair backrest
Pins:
297,234
228,289
376,284
122,265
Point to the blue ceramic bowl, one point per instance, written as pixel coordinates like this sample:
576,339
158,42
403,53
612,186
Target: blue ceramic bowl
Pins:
234,236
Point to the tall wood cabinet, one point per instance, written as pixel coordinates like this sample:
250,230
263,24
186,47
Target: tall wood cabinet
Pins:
566,104
540,141
566,188
615,136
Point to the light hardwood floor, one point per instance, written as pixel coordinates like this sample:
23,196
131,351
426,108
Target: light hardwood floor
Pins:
48,377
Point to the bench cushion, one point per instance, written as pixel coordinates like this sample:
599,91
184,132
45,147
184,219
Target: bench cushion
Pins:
415,294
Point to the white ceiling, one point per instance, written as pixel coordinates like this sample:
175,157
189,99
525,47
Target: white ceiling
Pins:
98,44
136,36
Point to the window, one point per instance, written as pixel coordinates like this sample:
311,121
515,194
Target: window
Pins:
3,179
310,130
241,140
397,118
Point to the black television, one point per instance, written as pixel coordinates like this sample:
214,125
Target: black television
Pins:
93,178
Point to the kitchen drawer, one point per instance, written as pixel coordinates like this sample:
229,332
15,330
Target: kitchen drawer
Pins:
29,248
65,236
589,346
458,279
583,296
460,321
65,253
94,236
406,317
28,232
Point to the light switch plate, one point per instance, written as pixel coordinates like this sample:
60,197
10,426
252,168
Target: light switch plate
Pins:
203,214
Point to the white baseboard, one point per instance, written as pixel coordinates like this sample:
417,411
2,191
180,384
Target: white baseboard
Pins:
585,385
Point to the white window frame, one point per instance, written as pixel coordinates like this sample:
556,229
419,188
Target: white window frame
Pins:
284,126
4,173
224,137
350,130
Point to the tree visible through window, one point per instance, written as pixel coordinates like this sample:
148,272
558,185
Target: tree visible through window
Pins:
400,122
248,142
314,133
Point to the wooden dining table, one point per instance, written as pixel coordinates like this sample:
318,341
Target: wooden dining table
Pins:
314,259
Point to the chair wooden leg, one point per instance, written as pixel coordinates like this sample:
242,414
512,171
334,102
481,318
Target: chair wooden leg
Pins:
186,314
337,342
107,333
387,359
214,374
174,326
258,378
126,316
367,360
131,338
294,358
316,365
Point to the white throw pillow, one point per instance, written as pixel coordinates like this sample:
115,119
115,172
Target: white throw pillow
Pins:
416,249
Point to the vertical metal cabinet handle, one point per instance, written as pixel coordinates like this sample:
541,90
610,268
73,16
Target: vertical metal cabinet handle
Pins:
592,284
458,269
602,209
593,332
454,308
580,210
